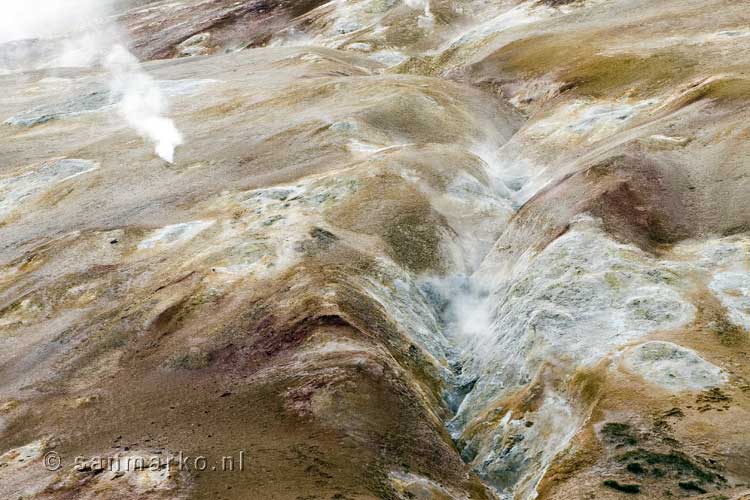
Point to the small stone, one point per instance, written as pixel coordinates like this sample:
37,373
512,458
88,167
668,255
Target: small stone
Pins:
635,468
625,488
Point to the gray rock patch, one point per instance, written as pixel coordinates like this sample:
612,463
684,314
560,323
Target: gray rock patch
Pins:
673,367
87,103
15,190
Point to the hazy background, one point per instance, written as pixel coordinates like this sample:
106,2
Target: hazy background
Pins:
50,18
37,34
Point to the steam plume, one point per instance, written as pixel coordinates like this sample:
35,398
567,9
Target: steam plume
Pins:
86,37
141,102
426,20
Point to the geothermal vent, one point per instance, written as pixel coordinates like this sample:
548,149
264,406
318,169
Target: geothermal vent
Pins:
374,249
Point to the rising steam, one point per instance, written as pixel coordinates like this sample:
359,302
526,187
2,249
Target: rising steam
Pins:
426,20
141,102
87,37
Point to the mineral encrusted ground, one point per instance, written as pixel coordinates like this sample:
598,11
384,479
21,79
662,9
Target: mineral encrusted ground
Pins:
457,250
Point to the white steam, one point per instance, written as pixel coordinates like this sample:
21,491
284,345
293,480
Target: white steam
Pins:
84,36
426,20
48,18
142,103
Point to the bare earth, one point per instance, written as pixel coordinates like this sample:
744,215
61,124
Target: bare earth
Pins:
479,250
